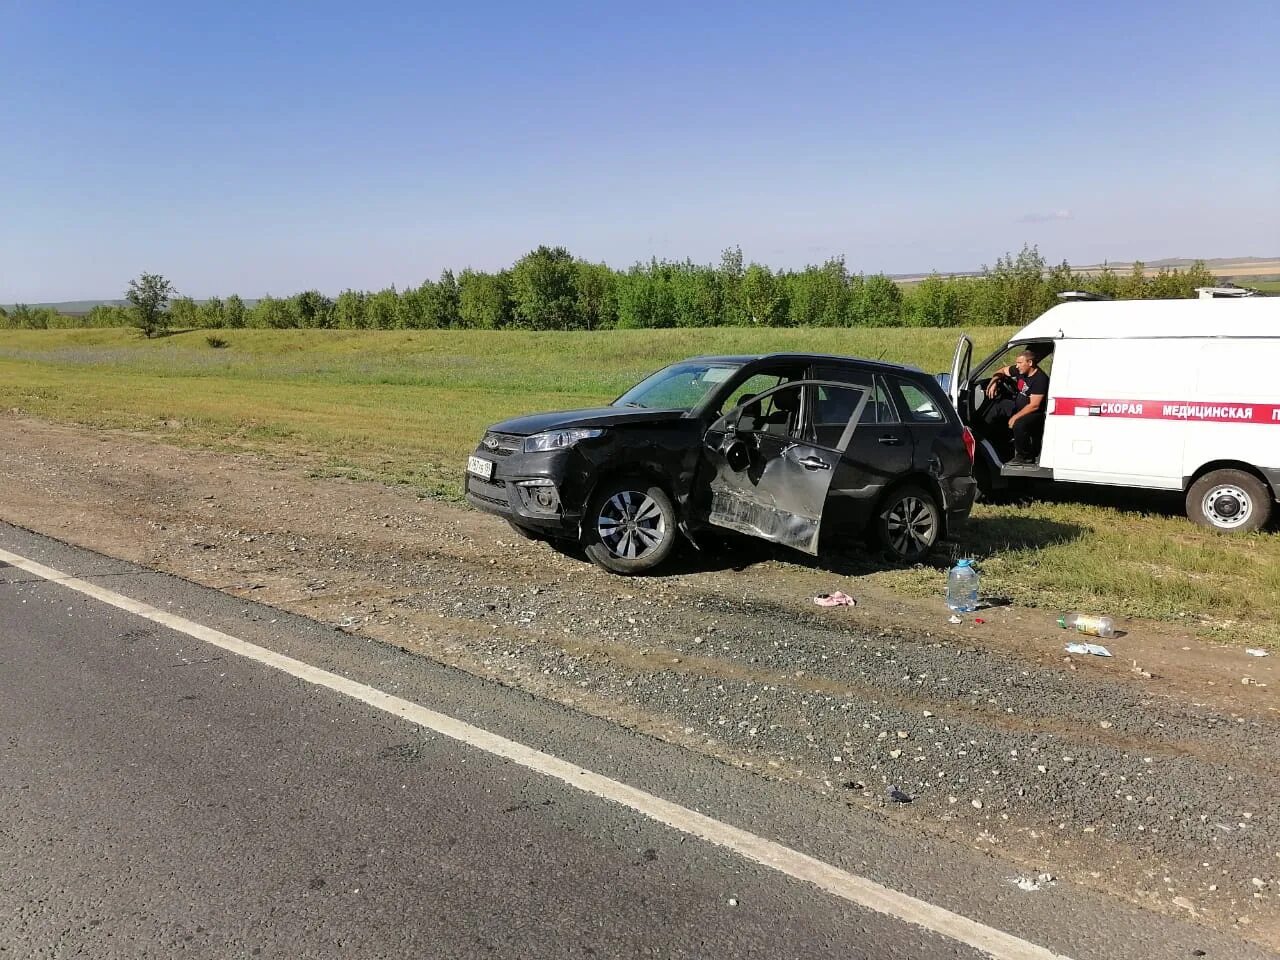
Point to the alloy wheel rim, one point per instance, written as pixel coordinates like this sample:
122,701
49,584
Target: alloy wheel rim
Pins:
912,526
631,525
1227,506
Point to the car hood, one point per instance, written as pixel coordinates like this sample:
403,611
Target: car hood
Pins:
592,417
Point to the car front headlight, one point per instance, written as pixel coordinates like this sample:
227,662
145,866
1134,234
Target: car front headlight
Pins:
558,439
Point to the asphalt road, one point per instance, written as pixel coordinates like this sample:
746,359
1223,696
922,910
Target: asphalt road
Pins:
163,797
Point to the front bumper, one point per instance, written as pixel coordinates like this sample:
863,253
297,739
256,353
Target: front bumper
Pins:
540,491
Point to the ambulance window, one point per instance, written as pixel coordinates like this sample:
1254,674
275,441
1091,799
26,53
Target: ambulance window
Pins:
1043,350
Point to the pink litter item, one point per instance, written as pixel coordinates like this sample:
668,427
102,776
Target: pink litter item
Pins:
836,599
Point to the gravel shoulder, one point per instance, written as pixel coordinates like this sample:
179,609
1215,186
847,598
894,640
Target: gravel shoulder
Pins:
1151,775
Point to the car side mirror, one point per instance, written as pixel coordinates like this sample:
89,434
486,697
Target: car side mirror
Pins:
736,453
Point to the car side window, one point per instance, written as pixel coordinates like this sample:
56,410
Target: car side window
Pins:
778,414
753,385
919,406
879,408
835,406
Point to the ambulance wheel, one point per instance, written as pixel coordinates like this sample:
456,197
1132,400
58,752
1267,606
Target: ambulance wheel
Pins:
1229,500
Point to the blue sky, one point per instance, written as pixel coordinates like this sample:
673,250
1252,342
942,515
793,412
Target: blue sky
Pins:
272,147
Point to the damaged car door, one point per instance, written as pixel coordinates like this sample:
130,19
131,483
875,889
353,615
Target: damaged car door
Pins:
769,473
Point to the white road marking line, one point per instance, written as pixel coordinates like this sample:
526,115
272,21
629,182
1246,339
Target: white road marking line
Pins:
859,890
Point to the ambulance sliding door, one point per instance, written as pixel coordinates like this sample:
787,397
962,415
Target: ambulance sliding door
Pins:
1105,422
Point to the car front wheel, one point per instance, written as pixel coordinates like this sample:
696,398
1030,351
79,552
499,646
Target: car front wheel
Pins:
631,527
908,523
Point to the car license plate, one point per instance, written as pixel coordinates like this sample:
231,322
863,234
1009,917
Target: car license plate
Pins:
480,467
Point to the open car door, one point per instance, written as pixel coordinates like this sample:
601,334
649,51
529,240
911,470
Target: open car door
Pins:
772,470
960,365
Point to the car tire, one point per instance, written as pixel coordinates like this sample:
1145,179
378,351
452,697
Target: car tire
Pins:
908,523
1230,501
631,526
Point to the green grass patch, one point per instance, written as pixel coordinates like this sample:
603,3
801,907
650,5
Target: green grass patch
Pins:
407,407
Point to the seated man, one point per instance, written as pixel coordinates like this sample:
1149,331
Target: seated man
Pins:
1025,410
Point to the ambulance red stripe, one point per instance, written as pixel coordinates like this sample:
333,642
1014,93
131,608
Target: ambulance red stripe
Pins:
1189,411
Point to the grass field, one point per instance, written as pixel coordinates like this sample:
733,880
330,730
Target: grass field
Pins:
408,406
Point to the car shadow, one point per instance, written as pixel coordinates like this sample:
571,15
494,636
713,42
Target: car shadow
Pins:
1167,503
717,553
984,536
981,538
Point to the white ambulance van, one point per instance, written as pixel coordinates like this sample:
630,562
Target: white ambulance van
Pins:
1162,394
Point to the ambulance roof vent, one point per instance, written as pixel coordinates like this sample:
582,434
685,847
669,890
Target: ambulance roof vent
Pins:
1069,295
1227,290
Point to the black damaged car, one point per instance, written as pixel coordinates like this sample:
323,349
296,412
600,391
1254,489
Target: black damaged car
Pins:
798,449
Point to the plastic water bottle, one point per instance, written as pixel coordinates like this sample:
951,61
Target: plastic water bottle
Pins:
962,587
1087,624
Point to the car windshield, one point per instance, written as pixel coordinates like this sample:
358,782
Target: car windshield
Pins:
681,386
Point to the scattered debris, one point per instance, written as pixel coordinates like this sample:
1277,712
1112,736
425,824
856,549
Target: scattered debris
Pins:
1093,649
1255,652
836,599
955,619
897,796
1033,884
978,620
1144,674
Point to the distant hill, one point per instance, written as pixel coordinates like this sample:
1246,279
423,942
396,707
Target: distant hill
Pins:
1224,268
78,308
72,308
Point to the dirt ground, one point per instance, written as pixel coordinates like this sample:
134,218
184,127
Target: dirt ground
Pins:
1151,775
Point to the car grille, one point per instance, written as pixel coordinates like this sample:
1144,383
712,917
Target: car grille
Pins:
493,491
501,444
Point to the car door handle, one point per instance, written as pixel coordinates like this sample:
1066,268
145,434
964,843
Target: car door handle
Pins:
890,441
813,463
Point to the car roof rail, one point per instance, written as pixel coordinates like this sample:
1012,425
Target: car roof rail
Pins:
1069,295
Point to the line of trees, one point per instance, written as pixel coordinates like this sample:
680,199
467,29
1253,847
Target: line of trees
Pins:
550,289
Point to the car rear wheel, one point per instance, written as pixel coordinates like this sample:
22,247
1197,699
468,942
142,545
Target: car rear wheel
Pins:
1229,500
631,526
908,523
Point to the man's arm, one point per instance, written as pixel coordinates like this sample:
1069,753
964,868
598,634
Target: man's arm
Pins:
1036,401
999,374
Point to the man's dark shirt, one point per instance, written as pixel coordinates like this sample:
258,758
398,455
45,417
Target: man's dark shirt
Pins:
1036,382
